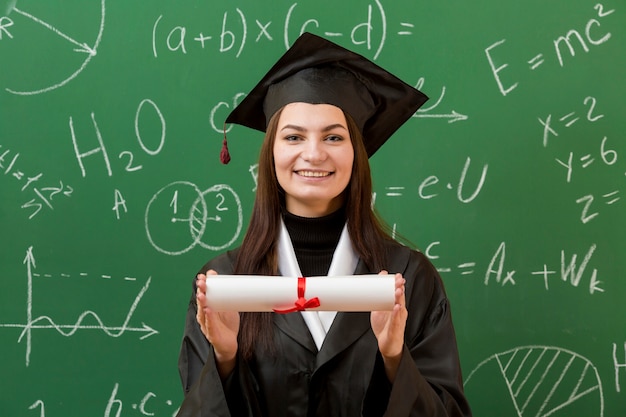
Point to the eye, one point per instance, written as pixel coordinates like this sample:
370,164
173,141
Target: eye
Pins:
334,138
292,138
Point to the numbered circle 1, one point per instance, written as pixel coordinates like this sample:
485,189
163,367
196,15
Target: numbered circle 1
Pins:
171,213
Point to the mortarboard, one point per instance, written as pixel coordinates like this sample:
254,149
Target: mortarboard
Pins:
317,71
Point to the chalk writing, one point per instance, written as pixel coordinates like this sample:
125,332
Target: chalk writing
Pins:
221,128
496,270
70,329
5,24
591,36
569,118
425,111
148,405
145,109
428,187
120,202
254,173
542,380
27,19
234,32
127,156
605,153
37,404
44,195
180,210
618,365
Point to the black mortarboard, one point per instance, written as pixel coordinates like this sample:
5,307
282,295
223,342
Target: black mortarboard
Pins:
317,71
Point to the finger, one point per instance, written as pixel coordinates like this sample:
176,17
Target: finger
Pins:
200,283
383,272
201,287
400,290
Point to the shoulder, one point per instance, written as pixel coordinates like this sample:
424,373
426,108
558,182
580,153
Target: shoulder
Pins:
424,285
405,260
223,263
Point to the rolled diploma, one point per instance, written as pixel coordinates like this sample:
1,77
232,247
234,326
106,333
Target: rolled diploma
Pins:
267,293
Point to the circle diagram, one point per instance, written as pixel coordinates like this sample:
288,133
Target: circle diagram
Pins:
536,381
180,216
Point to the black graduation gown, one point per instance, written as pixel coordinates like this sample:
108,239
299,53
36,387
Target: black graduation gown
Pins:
346,377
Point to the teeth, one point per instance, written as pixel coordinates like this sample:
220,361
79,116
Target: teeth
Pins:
313,173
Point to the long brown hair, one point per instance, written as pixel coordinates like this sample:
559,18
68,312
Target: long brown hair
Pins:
258,253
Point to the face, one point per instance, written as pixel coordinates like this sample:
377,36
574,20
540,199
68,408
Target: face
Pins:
313,157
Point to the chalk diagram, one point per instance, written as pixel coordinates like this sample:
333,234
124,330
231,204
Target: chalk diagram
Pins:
537,381
46,55
67,330
180,216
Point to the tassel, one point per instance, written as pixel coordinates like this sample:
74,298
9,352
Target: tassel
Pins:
224,154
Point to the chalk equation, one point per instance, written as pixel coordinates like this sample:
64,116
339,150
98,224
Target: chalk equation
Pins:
44,192
604,153
539,381
570,269
149,404
147,109
431,186
46,322
126,157
235,31
593,35
15,27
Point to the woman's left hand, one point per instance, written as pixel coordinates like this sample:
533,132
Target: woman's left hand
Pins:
388,327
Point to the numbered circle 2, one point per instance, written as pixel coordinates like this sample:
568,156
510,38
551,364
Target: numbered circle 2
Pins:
224,219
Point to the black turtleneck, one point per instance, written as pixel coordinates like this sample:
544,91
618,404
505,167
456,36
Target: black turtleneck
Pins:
314,240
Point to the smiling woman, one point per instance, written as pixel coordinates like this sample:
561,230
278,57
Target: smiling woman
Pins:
324,111
313,156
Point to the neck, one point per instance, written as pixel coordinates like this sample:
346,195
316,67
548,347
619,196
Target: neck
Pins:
314,210
314,240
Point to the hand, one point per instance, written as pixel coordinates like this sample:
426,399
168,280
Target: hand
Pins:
220,328
388,327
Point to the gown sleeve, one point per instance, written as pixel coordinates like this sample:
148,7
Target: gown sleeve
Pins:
429,380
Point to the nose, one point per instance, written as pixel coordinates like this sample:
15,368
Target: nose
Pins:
314,151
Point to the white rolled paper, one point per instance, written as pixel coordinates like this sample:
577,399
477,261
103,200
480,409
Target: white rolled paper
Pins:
277,293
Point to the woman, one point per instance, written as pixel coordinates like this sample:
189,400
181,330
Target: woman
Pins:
325,110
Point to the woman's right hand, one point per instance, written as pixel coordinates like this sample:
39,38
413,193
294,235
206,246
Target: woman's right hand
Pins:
219,327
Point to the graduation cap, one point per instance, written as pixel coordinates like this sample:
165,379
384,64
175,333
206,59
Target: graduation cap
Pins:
317,71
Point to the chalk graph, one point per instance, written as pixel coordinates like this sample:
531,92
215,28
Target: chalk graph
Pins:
46,322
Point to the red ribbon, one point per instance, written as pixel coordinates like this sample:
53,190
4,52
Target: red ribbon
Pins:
301,303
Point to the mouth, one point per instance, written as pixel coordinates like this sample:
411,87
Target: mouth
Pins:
314,174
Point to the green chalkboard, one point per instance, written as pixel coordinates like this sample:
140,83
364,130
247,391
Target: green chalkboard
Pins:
511,179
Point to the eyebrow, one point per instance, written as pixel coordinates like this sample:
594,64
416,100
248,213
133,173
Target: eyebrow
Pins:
302,129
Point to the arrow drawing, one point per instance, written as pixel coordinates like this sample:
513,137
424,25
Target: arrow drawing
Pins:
83,47
68,330
454,116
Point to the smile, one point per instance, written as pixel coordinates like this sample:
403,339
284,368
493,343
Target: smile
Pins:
316,174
